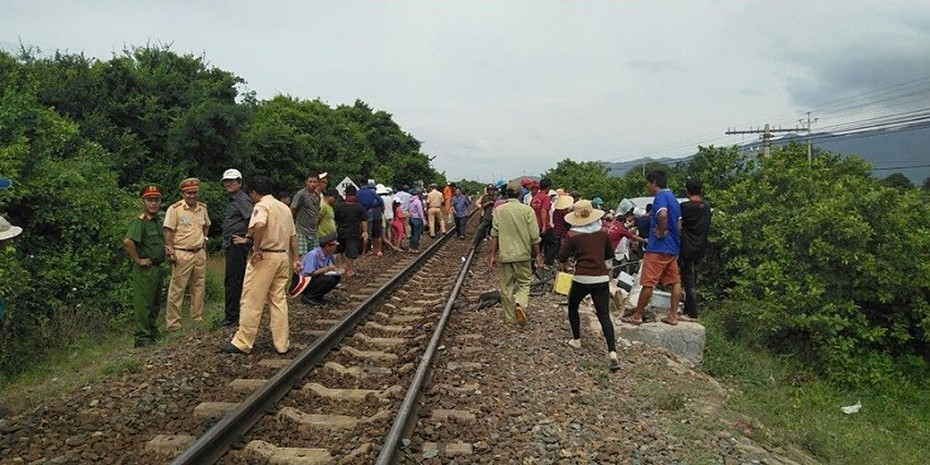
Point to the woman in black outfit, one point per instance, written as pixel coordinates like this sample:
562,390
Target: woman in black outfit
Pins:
590,246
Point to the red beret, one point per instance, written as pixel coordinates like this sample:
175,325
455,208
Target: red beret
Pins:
190,184
150,191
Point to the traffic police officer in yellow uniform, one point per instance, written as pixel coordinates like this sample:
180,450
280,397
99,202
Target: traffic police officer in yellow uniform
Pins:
273,235
186,226
144,245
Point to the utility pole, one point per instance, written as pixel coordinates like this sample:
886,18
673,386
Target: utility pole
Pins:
808,128
767,135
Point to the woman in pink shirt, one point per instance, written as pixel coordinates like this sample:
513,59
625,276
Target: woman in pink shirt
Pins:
400,216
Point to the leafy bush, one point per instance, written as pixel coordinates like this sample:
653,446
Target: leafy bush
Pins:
66,274
830,263
589,178
80,136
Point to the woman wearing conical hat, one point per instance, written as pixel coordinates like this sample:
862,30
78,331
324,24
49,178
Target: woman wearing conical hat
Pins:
589,245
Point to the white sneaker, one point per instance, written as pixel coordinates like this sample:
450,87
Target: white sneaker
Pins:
614,363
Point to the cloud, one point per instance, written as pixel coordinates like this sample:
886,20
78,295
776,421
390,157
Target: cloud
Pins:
493,87
655,66
863,73
860,56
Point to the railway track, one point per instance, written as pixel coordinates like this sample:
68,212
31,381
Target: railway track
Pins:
349,395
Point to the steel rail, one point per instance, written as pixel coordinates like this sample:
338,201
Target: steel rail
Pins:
213,444
405,415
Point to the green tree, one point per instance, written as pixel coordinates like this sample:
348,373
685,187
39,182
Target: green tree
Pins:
67,199
289,137
718,168
633,182
164,116
470,187
397,159
79,136
589,178
898,181
816,257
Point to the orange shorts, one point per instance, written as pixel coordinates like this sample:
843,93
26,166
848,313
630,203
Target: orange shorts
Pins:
659,267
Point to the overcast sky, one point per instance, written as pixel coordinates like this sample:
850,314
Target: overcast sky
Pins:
505,88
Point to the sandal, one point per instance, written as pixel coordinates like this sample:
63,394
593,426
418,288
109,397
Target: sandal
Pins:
571,341
630,321
668,321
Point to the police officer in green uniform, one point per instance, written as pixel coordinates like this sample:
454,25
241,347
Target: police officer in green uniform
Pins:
146,248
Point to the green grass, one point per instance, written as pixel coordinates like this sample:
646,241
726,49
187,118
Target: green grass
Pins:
89,357
668,400
800,409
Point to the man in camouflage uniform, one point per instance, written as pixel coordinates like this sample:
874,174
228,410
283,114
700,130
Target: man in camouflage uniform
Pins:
146,248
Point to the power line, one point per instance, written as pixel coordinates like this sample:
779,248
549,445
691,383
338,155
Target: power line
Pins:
872,96
869,133
767,135
902,167
890,97
904,116
876,98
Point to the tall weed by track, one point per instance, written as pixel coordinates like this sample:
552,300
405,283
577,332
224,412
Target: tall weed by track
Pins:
802,409
95,349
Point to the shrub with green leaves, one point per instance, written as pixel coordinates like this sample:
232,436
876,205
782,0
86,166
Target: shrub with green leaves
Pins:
65,274
80,136
827,262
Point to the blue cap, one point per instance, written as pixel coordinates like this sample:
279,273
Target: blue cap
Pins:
5,183
597,201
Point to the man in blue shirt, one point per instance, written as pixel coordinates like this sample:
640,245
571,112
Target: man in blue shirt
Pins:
374,208
318,274
660,261
460,205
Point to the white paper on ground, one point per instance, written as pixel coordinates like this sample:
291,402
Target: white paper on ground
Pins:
851,409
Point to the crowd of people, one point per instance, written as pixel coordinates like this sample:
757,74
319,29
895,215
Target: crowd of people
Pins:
303,247
296,245
531,224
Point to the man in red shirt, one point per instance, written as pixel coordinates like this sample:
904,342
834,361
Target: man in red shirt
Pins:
616,230
541,206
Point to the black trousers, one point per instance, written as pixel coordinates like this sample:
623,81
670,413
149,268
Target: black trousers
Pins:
550,246
484,230
688,268
320,286
600,294
236,257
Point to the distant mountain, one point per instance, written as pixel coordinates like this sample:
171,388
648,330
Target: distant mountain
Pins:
905,151
901,151
619,168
